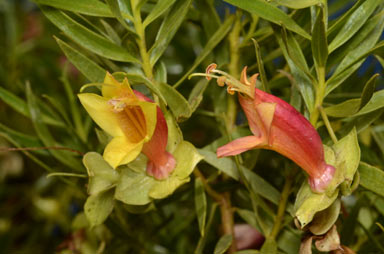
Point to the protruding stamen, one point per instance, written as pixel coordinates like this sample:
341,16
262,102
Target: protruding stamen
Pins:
221,81
209,69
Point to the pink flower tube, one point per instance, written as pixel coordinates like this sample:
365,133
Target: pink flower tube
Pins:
275,125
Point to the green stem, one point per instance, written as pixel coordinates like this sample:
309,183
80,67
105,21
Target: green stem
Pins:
226,211
146,64
328,125
320,92
283,204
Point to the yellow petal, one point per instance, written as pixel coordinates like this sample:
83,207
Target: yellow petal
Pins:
110,87
149,110
266,112
98,108
120,151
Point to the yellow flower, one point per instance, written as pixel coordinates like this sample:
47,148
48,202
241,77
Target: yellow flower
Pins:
136,124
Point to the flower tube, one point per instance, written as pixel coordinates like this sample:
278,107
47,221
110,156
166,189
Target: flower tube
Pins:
275,125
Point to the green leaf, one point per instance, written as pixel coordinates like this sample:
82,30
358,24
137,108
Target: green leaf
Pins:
368,91
303,81
22,139
101,175
223,244
228,166
115,8
375,103
177,103
98,207
247,252
249,217
294,4
354,23
20,106
355,58
372,178
133,187
196,95
217,37
45,136
87,38
351,107
200,205
344,109
260,65
168,29
308,203
269,247
345,159
319,41
200,246
271,13
87,7
325,219
92,71
160,7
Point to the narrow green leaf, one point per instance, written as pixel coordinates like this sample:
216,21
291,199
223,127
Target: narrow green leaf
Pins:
203,239
115,8
200,205
260,65
338,23
196,95
87,38
294,4
319,41
22,139
271,13
355,58
304,83
354,23
20,106
380,59
217,37
223,244
247,252
168,29
46,137
337,56
177,103
344,109
87,7
372,178
98,207
368,91
92,71
112,35
160,7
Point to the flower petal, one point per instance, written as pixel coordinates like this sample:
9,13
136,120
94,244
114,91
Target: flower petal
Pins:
101,112
150,113
110,87
241,145
120,151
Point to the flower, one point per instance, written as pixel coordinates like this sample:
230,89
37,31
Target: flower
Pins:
136,124
277,126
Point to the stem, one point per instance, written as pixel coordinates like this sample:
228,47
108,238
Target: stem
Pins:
328,125
226,211
282,204
146,64
320,92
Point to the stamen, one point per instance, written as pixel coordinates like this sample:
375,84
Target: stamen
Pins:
223,78
117,104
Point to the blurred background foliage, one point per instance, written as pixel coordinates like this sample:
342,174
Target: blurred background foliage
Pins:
39,108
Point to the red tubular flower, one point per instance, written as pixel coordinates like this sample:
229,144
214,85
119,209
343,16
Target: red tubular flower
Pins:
278,126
